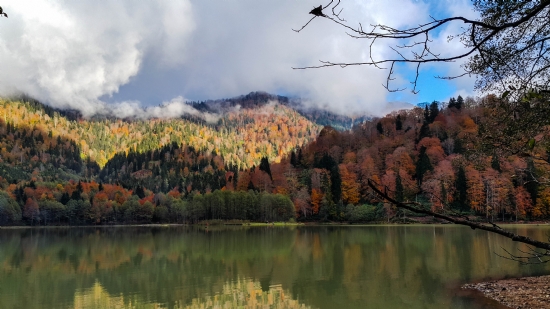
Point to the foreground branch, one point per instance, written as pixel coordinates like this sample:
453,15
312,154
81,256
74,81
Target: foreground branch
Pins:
509,43
490,228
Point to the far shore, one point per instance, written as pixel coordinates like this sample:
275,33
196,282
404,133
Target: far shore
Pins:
217,223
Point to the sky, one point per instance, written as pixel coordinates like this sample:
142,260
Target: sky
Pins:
129,57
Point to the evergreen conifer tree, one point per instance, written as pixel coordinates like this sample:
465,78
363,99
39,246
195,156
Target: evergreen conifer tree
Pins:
495,163
460,201
379,128
434,111
459,102
399,195
422,165
398,123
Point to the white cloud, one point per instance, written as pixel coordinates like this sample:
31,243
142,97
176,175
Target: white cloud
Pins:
171,109
78,53
71,53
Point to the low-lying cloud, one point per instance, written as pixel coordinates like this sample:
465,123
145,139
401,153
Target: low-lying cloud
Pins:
175,108
128,55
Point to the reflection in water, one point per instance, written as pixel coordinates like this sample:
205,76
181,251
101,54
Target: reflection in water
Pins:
246,294
97,298
322,267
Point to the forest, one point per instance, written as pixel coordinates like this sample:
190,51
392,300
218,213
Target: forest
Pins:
263,163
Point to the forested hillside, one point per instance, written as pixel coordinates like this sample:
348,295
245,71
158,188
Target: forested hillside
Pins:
242,137
255,164
426,155
47,161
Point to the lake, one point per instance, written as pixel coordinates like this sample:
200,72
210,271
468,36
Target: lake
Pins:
254,267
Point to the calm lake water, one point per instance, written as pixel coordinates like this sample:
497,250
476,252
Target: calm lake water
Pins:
258,267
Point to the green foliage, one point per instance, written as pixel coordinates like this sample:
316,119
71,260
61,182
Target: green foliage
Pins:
78,212
360,213
52,212
424,131
423,164
10,212
327,162
135,212
433,111
460,201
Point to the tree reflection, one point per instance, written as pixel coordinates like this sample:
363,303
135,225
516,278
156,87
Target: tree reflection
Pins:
323,267
243,293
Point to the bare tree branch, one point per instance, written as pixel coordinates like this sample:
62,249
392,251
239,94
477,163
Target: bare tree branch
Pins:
474,225
492,43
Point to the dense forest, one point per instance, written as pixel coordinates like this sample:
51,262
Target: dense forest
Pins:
242,136
425,155
259,163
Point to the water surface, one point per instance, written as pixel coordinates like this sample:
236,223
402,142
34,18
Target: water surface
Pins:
258,267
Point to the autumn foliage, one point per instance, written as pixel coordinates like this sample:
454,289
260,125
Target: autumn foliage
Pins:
262,163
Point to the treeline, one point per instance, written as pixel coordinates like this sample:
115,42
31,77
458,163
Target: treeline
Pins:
92,203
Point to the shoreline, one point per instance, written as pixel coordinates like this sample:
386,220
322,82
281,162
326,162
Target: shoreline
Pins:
229,223
516,293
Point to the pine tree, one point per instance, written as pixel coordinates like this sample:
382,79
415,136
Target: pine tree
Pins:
434,111
293,159
495,163
139,192
422,165
424,131
76,195
460,201
264,166
459,102
452,103
457,146
399,195
65,198
379,128
398,123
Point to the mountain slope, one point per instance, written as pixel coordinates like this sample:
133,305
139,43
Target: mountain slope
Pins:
242,137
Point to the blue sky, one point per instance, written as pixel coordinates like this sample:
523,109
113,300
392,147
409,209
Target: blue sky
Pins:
122,54
430,88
